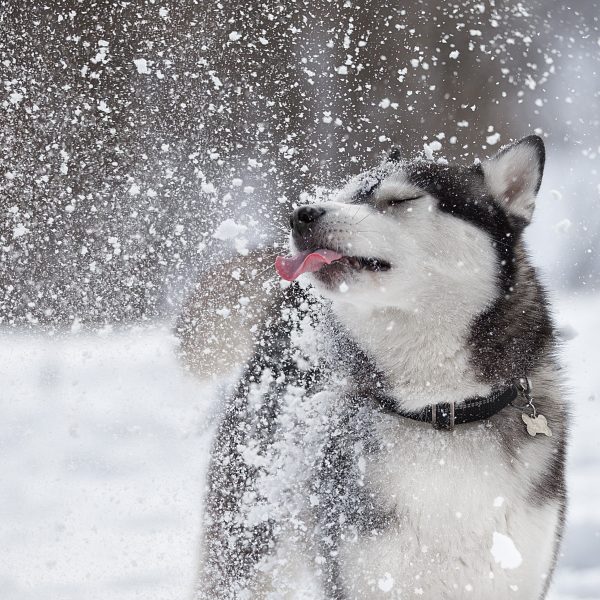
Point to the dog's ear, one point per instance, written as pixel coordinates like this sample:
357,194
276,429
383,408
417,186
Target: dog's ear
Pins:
514,175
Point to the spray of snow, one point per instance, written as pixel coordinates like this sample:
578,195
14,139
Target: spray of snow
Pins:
228,229
141,64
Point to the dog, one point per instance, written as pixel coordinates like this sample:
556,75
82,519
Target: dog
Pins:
401,429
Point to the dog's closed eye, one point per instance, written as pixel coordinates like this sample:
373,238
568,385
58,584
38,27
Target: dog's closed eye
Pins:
396,201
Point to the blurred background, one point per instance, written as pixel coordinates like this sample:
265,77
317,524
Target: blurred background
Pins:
142,141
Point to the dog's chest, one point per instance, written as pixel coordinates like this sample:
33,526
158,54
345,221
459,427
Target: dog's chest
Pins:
459,517
415,467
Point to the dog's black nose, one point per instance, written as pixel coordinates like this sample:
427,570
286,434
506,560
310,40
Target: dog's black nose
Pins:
302,218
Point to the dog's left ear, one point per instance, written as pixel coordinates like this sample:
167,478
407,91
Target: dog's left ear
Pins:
514,175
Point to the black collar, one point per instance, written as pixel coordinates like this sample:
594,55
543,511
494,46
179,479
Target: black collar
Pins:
447,415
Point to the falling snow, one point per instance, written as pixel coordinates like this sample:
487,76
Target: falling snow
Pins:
141,142
141,64
239,93
505,552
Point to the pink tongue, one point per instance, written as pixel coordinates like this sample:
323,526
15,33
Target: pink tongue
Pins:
290,267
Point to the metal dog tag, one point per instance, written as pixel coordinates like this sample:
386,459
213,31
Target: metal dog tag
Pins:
537,424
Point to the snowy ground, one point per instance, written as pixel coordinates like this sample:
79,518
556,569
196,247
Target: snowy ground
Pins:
103,448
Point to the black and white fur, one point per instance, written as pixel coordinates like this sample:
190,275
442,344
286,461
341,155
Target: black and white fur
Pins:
314,491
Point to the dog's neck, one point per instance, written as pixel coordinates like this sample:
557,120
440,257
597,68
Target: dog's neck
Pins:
424,356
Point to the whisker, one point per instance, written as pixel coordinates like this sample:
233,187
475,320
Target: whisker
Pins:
365,217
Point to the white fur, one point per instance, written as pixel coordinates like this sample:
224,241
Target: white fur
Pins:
450,495
413,319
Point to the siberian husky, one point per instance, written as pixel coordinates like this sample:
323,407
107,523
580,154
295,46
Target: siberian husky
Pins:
400,431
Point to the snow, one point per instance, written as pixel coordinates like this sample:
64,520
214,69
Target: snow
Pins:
103,107
103,454
563,226
15,97
493,139
430,148
208,188
505,552
104,440
134,190
228,229
20,230
386,583
151,94
104,446
141,64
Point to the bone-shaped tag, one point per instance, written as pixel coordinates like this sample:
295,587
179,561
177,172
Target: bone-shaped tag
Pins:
536,425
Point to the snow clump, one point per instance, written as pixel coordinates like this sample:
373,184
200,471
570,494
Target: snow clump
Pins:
505,552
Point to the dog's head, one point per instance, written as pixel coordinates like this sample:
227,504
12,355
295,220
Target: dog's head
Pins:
404,233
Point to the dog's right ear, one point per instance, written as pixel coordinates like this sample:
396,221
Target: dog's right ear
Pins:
514,176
